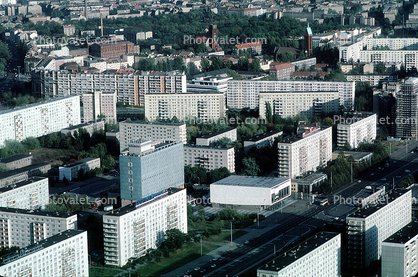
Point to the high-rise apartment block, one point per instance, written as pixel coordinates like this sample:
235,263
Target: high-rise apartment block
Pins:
155,131
245,93
186,106
211,138
407,110
39,119
209,157
96,104
308,103
368,227
130,88
305,152
319,255
64,254
209,84
147,168
24,227
30,194
399,252
129,231
355,129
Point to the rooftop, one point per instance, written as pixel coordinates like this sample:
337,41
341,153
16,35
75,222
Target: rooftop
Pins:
21,170
405,234
389,197
153,123
38,104
266,135
298,251
22,184
35,212
14,158
299,136
313,178
281,66
354,118
213,134
251,181
86,160
207,147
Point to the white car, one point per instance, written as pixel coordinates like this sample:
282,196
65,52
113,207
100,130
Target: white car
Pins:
407,171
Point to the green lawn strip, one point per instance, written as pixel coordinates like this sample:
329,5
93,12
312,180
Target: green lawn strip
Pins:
225,236
103,272
186,254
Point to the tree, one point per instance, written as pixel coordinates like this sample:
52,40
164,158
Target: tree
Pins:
174,239
218,174
269,112
250,167
179,64
233,74
380,68
255,65
217,64
204,65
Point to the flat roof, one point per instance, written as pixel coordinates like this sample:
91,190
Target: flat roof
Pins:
265,135
85,160
207,147
311,178
21,184
405,234
37,104
82,125
152,123
299,136
35,212
213,134
358,116
294,92
14,158
132,207
251,181
21,170
367,211
298,251
354,154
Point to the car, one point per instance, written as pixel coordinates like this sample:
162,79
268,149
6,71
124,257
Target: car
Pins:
221,259
197,268
394,162
359,181
241,245
412,151
336,218
246,242
398,176
214,265
407,171
215,259
203,270
383,179
372,174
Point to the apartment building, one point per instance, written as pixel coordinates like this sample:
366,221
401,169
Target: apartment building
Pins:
282,71
399,252
209,139
199,107
39,119
209,84
20,174
355,129
64,254
31,194
129,231
245,93
70,171
305,152
209,157
22,228
96,104
155,131
407,110
367,228
111,49
16,161
91,127
308,103
147,168
263,140
319,255
255,48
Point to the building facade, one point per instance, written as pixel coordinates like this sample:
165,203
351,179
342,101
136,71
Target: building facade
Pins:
96,104
16,175
245,93
71,171
282,71
369,227
64,254
129,231
306,152
356,129
209,139
289,104
209,157
263,140
111,49
209,84
407,110
16,161
39,119
186,106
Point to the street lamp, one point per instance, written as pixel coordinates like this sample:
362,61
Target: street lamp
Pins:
231,233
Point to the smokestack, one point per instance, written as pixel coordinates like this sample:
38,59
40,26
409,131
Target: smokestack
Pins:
85,9
101,24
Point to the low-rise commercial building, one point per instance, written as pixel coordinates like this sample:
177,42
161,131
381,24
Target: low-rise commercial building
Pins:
71,171
355,129
308,184
13,176
16,161
209,157
209,139
90,127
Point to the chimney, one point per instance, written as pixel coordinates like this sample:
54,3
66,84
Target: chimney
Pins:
85,9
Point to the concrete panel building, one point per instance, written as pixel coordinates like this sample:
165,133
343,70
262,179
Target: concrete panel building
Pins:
209,84
249,192
96,104
39,119
305,152
319,255
22,228
209,139
129,231
310,104
367,228
64,254
209,157
355,129
147,168
16,175
90,127
71,171
155,131
407,110
31,194
16,161
263,140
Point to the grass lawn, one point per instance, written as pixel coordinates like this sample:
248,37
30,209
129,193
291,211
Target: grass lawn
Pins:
103,272
225,236
186,254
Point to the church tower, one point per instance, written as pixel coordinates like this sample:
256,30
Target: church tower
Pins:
308,41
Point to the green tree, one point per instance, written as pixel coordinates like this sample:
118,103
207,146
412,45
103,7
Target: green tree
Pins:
269,112
233,74
218,174
179,64
174,239
255,65
204,64
217,64
380,68
250,167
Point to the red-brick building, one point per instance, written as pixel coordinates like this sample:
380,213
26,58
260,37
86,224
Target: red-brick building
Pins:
282,71
111,49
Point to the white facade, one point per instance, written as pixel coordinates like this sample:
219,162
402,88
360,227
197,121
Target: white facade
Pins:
249,191
369,227
209,84
39,119
356,129
65,254
185,106
96,104
23,227
210,157
210,138
245,93
399,252
31,194
70,171
130,130
129,231
319,255
310,104
299,155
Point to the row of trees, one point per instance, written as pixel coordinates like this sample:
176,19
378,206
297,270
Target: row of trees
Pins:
5,56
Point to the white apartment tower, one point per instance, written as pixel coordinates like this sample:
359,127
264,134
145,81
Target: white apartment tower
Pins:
306,152
407,110
209,84
209,157
129,231
355,129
